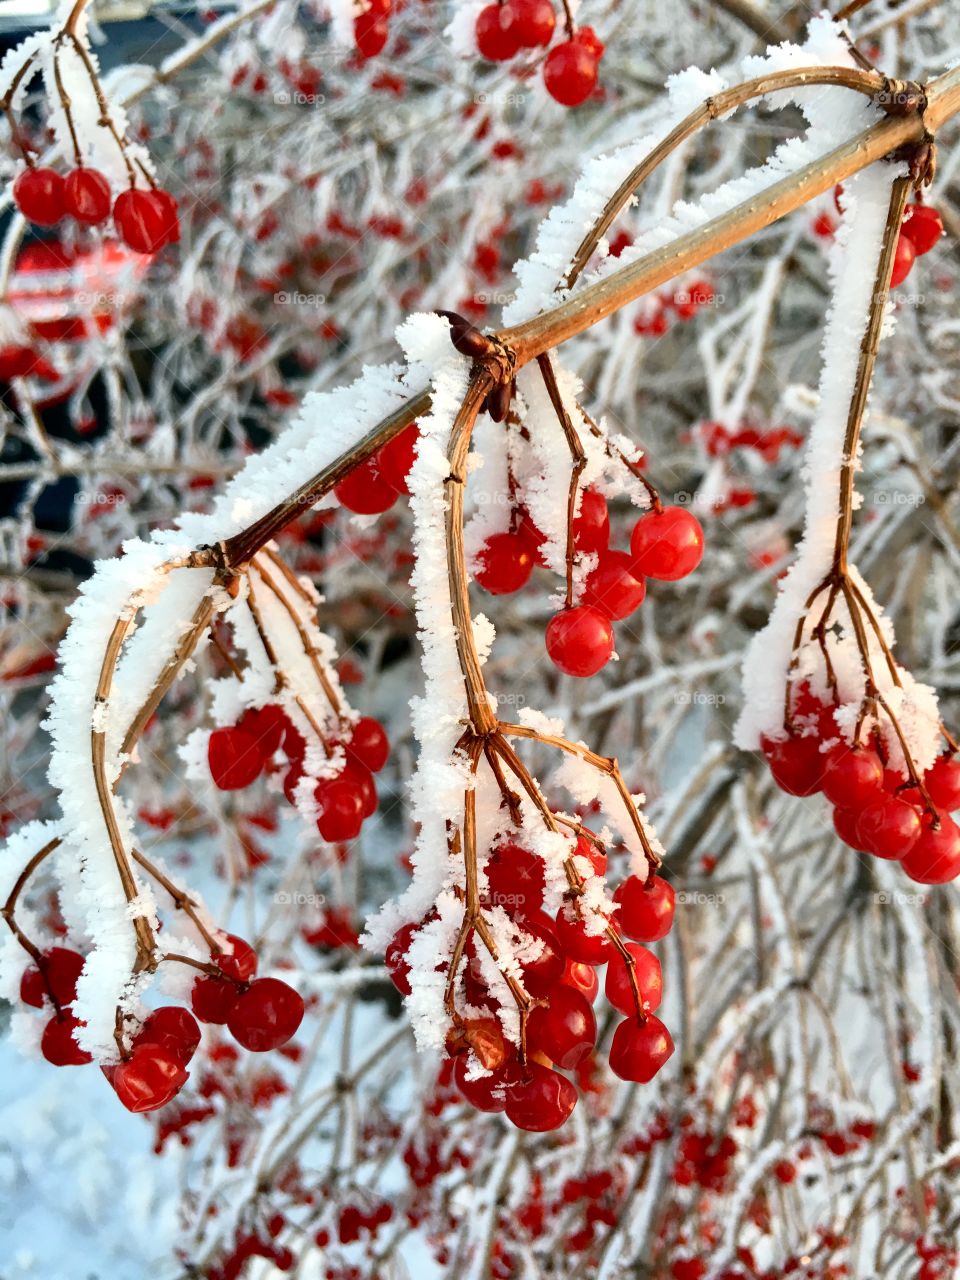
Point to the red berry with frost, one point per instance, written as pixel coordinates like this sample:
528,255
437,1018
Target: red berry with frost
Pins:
395,959
639,1049
576,941
172,1029
614,587
504,564
797,765
235,759
341,804
87,196
238,960
667,544
942,781
58,1044
213,998
61,967
923,225
591,524
365,490
515,879
368,744
570,72
39,195
397,457
646,908
541,1100
268,725
903,259
266,1015
496,31
889,827
540,975
852,776
935,858
564,1030
486,1093
619,989
535,22
579,641
149,1078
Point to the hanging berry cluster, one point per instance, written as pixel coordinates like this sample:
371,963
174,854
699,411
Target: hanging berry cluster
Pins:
570,70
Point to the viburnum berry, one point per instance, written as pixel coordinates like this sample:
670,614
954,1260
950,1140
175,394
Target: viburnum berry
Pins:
171,1028
235,759
39,195
18,361
591,524
904,257
486,1093
613,587
639,1049
889,827
266,1015
619,989
576,942
667,544
212,998
361,777
646,908
564,1030
365,490
852,776
540,1100
935,858
942,781
579,640
570,72
149,1078
923,225
87,196
797,765
58,1045
593,853
341,803
515,879
61,967
846,823
581,977
535,21
368,744
269,725
142,220
540,975
395,959
238,960
397,456
498,39
370,32
504,564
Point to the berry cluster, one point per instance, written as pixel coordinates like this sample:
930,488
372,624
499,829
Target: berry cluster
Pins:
719,440
922,228
654,318
144,220
526,1081
261,1014
571,67
265,738
875,809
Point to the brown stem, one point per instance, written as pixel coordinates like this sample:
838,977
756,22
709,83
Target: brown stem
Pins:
579,461
8,910
181,900
309,648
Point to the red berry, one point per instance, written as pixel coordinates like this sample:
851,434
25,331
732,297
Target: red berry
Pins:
397,457
579,640
591,524
370,33
852,776
362,779
38,194
613,587
241,962
576,942
341,802
541,975
395,959
594,855
535,21
667,544
570,73
212,999
149,1078
515,879
142,220
58,1045
618,988
170,219
486,1093
797,765
935,858
368,744
889,828
646,908
87,196
497,36
269,725
365,490
591,41
172,1029
235,759
22,362
504,563
639,1049
846,823
62,968
540,1100
581,977
565,1030
942,781
266,1015
903,260
923,225
33,990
